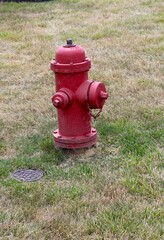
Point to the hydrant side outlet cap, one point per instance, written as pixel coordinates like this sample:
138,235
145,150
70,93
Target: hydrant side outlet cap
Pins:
97,95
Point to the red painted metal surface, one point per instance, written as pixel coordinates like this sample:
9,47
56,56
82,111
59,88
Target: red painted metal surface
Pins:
75,96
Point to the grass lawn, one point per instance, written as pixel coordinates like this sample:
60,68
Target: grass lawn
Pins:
111,191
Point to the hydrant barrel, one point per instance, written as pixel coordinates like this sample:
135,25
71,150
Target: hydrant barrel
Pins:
75,96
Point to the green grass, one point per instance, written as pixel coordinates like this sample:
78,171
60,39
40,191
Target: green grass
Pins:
134,139
78,180
11,36
111,191
123,219
105,33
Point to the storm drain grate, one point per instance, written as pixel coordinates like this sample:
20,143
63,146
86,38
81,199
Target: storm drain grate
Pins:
27,175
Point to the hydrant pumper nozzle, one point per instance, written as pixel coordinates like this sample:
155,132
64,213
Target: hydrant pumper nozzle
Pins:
75,97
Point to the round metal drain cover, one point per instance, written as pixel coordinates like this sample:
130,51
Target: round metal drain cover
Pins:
27,175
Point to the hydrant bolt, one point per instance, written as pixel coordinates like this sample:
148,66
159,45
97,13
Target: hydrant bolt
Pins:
74,98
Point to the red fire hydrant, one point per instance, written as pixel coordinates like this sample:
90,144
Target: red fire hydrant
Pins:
75,97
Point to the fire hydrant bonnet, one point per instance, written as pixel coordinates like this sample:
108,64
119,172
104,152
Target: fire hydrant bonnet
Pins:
69,55
70,58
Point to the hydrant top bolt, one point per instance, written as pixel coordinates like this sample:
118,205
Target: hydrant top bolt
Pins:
69,43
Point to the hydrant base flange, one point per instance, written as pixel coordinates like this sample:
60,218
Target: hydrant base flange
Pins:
75,142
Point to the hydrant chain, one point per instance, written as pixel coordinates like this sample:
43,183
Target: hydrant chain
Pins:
97,114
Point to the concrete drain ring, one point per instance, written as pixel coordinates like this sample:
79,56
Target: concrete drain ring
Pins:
27,175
